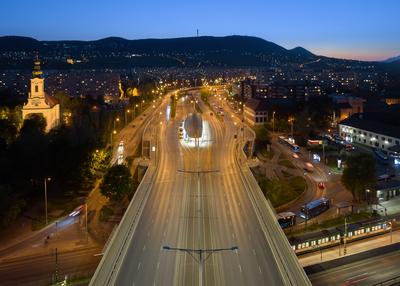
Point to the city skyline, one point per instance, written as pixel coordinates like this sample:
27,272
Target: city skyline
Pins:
339,29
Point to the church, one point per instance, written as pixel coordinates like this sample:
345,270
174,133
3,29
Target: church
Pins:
41,103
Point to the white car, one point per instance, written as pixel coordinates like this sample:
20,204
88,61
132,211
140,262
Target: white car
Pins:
121,148
76,211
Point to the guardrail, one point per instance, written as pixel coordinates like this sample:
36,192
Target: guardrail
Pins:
389,282
108,268
291,271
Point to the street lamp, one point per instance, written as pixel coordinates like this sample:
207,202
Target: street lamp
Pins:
116,120
134,110
112,133
45,197
291,119
126,115
202,255
273,122
367,191
141,105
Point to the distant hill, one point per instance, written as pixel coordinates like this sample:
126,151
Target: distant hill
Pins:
190,44
301,52
17,44
391,60
120,52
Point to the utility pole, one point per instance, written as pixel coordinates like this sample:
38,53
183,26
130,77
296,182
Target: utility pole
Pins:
45,197
56,255
202,256
86,221
291,127
345,236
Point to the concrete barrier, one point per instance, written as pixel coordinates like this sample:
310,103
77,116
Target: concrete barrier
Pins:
315,268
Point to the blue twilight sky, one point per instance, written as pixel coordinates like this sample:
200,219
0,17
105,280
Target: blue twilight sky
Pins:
358,29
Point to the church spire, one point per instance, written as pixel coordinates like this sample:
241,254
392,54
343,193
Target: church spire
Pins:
37,72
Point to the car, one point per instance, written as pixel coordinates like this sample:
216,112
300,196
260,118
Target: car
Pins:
121,147
309,167
349,147
76,211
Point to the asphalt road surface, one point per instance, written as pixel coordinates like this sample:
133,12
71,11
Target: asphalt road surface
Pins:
41,269
365,272
208,209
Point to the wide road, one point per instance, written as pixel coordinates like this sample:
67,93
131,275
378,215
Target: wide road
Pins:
209,209
39,269
365,272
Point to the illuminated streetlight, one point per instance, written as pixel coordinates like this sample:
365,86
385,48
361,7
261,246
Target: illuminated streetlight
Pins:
273,122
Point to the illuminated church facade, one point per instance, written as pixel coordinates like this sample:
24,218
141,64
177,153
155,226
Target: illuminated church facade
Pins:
41,103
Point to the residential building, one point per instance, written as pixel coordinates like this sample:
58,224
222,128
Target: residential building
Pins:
346,105
255,112
370,132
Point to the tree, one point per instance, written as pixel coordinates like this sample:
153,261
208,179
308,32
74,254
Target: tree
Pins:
34,123
359,174
263,138
117,183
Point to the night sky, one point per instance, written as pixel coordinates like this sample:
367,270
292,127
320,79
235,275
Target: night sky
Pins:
358,29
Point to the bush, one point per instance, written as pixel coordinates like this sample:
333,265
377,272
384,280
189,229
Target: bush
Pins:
105,213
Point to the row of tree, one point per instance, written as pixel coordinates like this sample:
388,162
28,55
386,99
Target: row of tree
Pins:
67,154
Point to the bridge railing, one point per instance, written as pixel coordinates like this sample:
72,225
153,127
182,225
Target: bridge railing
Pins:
291,271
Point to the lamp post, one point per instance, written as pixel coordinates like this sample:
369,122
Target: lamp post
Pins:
45,197
126,115
291,126
273,122
202,255
345,236
367,191
141,105
116,120
134,111
111,137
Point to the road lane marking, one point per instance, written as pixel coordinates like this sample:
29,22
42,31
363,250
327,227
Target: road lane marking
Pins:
138,267
240,268
144,247
254,251
259,268
158,265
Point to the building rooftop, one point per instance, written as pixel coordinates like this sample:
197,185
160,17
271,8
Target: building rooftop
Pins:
388,185
356,121
256,104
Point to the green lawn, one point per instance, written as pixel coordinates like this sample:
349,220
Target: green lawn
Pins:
280,192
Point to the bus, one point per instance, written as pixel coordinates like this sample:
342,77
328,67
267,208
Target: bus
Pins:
314,208
286,219
290,143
